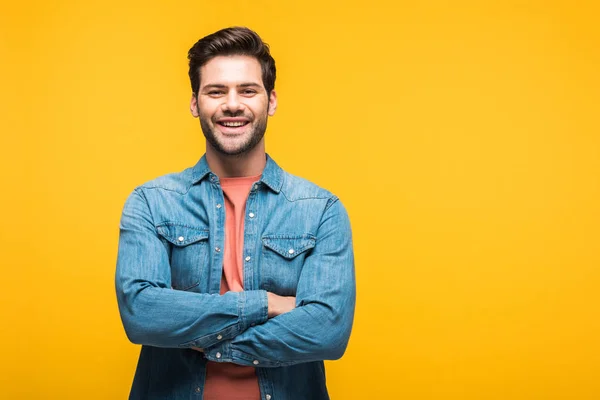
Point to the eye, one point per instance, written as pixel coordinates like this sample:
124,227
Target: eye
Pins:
216,93
248,92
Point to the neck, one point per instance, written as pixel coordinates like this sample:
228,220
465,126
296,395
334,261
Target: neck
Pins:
251,163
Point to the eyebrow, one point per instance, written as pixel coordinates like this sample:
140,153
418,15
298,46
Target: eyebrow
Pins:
221,86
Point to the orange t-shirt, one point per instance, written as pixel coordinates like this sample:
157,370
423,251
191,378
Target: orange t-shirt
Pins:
226,381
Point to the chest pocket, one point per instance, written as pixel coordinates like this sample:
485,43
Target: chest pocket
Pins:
282,261
188,253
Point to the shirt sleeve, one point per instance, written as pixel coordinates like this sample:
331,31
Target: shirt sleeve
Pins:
152,312
319,327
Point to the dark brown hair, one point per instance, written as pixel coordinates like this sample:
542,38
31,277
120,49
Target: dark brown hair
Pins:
229,42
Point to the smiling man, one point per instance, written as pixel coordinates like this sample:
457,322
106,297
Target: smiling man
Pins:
236,277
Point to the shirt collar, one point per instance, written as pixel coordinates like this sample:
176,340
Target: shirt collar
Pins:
272,175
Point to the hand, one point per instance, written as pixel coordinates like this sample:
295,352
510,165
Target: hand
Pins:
280,304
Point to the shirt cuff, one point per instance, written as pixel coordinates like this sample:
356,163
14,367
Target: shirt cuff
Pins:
253,308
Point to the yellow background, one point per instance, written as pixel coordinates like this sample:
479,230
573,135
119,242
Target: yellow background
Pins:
463,137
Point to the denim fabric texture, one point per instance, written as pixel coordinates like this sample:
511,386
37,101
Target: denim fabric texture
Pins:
297,242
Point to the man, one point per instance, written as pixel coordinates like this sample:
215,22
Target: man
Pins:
235,276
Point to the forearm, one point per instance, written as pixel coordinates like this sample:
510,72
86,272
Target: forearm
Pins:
296,337
164,317
277,305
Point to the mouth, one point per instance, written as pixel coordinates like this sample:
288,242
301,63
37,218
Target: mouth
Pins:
232,125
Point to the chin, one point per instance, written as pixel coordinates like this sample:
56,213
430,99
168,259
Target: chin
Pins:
234,150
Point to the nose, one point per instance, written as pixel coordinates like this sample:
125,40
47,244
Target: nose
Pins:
232,102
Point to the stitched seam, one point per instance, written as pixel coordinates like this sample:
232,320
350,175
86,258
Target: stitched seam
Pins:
169,223
183,193
331,202
241,309
143,195
303,198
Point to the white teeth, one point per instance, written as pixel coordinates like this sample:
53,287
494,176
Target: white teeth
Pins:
233,124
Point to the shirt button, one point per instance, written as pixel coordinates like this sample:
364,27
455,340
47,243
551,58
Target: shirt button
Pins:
247,258
291,251
218,205
181,238
219,337
218,249
268,397
218,355
251,215
255,362
197,390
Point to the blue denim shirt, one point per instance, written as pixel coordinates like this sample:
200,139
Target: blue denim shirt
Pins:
297,242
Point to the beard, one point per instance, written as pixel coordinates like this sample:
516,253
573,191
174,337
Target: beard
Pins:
258,128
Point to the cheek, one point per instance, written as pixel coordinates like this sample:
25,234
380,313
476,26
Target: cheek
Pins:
206,114
208,108
258,110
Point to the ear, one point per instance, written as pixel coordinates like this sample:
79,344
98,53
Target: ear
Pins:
272,103
194,105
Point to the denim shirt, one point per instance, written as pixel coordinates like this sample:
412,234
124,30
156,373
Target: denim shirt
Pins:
297,242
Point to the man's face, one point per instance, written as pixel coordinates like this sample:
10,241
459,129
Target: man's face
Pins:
232,104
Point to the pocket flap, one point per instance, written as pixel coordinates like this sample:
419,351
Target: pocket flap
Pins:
289,246
181,235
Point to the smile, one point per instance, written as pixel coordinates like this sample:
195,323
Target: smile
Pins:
233,124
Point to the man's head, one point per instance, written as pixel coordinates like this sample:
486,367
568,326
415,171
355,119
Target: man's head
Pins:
232,75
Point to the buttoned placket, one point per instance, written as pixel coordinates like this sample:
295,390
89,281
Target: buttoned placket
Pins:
250,239
217,233
265,384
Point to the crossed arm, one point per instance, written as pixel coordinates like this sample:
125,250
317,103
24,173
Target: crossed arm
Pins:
277,305
246,327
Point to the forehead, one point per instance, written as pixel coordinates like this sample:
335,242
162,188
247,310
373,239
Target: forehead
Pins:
231,70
